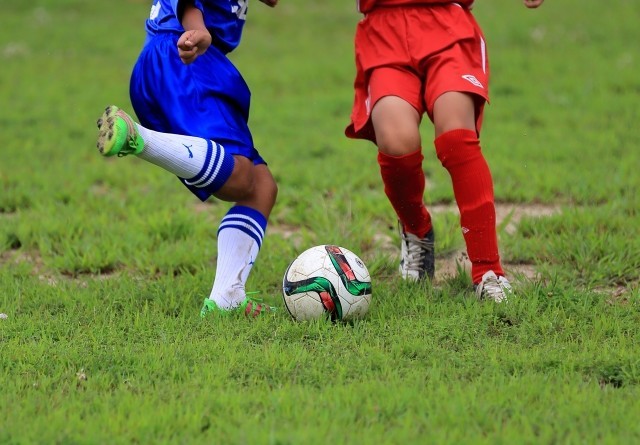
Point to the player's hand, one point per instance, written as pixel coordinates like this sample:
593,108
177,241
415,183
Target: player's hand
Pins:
192,44
271,3
533,3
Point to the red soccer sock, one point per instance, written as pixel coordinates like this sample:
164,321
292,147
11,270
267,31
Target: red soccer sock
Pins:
460,153
404,184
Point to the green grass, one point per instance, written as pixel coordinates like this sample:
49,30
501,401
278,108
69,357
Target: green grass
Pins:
104,263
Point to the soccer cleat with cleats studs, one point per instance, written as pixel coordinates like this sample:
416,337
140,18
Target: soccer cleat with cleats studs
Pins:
493,287
118,134
250,307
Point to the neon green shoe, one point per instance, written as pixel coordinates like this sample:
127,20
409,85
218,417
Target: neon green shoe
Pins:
117,134
250,307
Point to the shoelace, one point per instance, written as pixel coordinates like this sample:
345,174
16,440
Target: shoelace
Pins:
416,252
494,289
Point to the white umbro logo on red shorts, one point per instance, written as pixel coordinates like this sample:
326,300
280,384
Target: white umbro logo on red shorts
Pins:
473,80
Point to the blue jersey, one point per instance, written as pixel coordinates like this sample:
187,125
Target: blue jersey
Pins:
223,18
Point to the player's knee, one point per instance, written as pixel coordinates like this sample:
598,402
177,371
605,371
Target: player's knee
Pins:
270,189
397,140
455,110
455,123
397,126
241,184
266,189
244,186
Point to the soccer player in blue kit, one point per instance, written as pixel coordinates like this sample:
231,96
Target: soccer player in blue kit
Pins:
193,108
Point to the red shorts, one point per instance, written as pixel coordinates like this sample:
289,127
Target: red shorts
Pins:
417,53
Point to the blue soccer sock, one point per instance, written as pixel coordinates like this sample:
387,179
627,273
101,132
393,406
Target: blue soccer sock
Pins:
240,237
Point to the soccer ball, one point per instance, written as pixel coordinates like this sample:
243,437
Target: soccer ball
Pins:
327,281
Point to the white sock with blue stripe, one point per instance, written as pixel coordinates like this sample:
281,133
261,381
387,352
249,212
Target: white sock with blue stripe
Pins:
204,163
239,240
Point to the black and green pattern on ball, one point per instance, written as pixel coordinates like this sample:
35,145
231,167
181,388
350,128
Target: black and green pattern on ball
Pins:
320,285
346,274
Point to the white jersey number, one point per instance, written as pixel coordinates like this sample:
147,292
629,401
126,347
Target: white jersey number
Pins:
241,9
155,11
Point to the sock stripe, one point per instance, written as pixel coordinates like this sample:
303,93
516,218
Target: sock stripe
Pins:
205,168
245,219
217,170
223,171
251,214
245,228
217,163
210,165
245,222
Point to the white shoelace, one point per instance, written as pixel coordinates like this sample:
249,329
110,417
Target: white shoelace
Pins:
416,252
495,288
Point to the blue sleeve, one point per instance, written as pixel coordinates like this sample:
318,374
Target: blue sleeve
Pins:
178,7
198,4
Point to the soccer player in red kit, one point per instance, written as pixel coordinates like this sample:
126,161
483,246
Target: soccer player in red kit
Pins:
429,56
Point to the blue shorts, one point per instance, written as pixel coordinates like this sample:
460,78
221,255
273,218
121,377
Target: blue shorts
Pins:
207,98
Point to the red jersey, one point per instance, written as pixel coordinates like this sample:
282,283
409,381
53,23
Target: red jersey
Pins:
365,6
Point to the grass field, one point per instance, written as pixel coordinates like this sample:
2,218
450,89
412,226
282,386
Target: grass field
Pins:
104,263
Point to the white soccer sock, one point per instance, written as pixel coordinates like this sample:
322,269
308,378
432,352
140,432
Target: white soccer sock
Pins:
183,156
239,240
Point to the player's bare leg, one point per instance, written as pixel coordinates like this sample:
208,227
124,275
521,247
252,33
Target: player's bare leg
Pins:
264,191
454,111
396,124
250,185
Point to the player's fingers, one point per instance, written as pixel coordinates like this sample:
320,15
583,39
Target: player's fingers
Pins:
187,59
186,40
187,56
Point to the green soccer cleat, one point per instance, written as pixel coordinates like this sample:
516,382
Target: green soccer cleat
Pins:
117,134
250,307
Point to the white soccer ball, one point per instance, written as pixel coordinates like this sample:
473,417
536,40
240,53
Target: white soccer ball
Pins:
327,282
